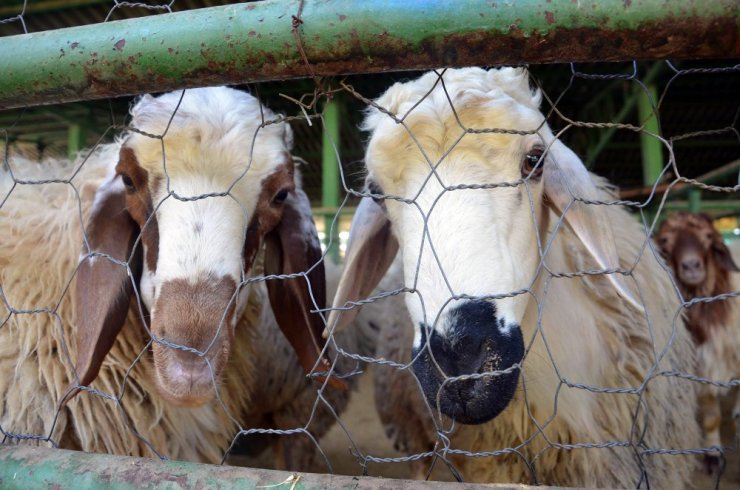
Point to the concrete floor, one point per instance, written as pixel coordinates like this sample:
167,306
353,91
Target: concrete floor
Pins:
363,424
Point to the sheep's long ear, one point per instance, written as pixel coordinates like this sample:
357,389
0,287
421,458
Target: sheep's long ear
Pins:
370,252
293,247
565,178
722,254
103,288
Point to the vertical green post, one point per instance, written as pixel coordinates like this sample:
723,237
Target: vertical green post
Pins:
652,148
330,176
75,139
694,200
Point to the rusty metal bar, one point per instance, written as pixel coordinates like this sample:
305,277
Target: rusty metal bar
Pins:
23,467
255,41
711,177
723,205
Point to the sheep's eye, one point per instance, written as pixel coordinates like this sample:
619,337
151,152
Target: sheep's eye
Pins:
374,188
128,183
280,197
531,164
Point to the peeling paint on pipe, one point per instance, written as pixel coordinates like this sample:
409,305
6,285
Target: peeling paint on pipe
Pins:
23,467
255,42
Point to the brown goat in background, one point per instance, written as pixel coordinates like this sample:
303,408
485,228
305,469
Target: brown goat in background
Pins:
703,267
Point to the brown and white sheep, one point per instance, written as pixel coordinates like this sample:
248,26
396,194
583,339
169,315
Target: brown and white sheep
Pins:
161,313
703,267
509,333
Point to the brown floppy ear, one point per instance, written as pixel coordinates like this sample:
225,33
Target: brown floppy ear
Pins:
103,287
293,247
566,178
370,252
722,254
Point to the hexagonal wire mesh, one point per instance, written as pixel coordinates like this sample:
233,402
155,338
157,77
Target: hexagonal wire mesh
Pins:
492,216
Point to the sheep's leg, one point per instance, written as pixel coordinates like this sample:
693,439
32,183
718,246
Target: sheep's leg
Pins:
736,413
419,469
294,453
711,421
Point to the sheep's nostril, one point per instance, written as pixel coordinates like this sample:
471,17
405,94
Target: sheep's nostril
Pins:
189,368
690,265
471,369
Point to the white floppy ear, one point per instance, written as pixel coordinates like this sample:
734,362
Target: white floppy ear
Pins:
565,179
370,252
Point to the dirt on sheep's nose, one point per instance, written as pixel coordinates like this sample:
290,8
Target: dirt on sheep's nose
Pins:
471,370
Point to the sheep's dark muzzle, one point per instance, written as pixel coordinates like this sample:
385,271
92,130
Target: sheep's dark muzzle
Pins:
475,345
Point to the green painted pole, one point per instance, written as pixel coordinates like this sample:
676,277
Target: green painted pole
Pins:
76,139
256,41
652,148
627,108
695,204
330,176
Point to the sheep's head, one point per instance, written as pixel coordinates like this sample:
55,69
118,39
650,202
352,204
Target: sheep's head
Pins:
465,210
692,246
189,212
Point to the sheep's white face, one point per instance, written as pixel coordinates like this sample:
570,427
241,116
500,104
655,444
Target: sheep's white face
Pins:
476,245
468,179
196,257
474,242
197,242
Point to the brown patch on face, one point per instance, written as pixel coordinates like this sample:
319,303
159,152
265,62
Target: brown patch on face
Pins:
268,212
192,315
139,203
690,240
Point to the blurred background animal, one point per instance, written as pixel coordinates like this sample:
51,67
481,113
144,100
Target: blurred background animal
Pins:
704,268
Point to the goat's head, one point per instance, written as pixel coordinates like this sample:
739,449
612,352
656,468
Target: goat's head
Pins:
469,250
692,247
189,212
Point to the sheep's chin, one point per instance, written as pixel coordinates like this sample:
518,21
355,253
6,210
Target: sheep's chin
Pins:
188,399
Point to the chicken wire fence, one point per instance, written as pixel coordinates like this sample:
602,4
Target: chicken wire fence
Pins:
445,441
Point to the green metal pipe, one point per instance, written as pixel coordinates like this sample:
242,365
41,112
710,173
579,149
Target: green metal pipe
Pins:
627,108
23,467
255,41
695,204
76,136
651,146
330,175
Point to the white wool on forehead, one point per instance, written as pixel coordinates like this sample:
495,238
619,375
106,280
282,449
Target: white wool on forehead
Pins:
215,111
494,84
219,122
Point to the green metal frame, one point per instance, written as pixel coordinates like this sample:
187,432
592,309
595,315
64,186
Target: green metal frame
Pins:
257,41
651,146
627,108
76,137
23,467
330,174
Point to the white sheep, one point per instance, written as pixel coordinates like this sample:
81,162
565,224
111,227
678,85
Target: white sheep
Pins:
505,335
182,265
